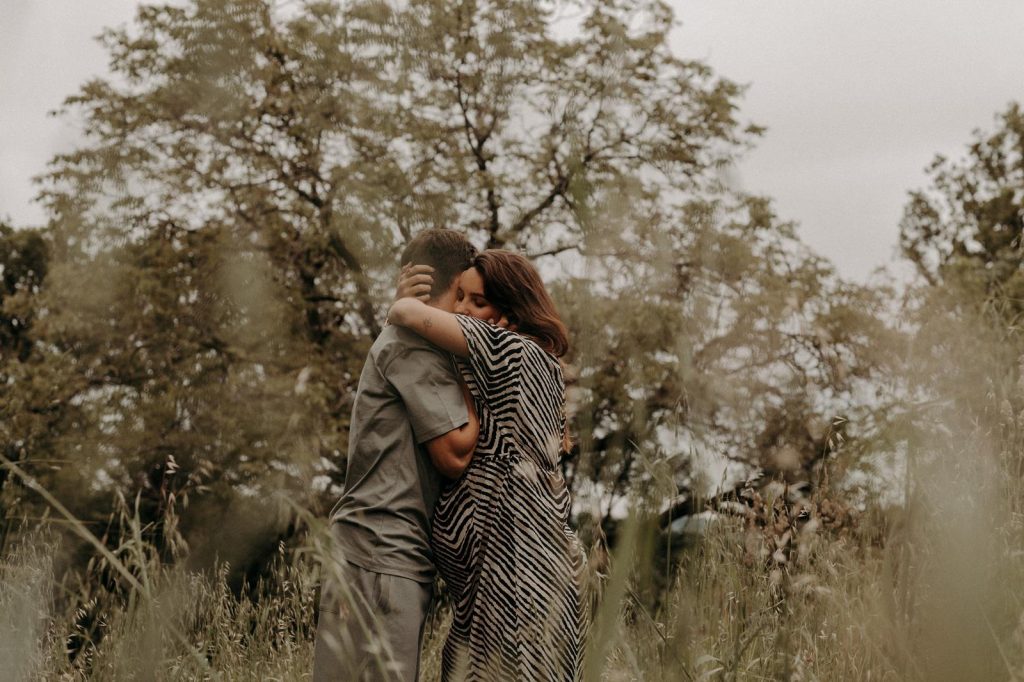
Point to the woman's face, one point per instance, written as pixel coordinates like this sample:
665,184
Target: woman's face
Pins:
470,299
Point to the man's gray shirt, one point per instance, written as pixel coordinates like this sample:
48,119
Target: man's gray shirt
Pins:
408,393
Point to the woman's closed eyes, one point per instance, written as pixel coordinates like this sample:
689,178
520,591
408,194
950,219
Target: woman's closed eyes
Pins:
470,299
475,301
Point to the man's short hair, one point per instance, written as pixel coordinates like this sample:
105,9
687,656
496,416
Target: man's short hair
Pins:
447,251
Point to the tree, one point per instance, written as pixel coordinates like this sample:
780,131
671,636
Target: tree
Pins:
24,261
958,425
723,338
963,235
224,242
965,231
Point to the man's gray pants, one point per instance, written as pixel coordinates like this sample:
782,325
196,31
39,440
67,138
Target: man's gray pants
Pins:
370,626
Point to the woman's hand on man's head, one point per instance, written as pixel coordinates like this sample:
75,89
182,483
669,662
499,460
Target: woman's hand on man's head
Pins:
415,281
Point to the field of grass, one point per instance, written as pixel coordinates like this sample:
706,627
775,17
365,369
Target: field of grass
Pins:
924,583
927,590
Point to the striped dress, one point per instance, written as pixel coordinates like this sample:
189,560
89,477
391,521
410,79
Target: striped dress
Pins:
500,533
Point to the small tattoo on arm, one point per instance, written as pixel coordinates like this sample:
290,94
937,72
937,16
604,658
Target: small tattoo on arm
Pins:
427,323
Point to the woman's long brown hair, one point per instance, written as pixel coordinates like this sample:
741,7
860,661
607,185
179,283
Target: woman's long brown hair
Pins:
514,286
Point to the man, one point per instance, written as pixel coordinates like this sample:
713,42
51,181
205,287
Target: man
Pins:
411,418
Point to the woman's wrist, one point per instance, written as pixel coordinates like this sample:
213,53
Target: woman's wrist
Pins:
401,311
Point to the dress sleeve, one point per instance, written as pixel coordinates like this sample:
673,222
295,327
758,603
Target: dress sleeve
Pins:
495,361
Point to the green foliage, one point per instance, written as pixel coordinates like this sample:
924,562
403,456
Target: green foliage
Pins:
181,342
964,232
951,419
24,260
717,336
190,324
223,242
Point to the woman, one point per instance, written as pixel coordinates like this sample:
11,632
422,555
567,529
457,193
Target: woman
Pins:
500,531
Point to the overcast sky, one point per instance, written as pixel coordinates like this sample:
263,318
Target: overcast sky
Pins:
857,95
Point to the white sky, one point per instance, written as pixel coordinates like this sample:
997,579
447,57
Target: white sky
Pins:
858,96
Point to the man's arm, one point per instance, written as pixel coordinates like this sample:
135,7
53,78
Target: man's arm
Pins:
452,451
439,406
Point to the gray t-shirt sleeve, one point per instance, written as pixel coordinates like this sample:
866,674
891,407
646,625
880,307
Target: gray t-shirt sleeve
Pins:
426,380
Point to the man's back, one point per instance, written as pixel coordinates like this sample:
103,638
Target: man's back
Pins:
408,394
378,578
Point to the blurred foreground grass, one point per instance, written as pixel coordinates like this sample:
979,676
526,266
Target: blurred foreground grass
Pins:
926,590
917,577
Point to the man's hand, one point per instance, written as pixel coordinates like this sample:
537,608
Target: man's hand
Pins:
503,323
415,281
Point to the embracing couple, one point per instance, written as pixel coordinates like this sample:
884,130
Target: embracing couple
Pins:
457,430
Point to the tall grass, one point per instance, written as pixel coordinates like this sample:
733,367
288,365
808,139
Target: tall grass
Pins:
926,587
931,588
939,601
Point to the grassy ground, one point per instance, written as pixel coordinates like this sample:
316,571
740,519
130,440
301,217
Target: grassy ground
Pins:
931,588
841,608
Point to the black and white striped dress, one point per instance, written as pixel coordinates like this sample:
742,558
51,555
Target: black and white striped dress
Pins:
501,536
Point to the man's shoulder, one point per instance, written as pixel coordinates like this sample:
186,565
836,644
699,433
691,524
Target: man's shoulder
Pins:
394,336
394,341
